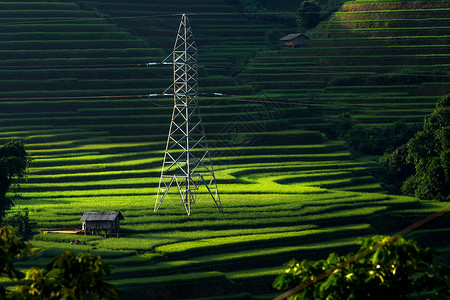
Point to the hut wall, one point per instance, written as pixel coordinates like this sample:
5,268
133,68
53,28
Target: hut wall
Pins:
99,225
299,41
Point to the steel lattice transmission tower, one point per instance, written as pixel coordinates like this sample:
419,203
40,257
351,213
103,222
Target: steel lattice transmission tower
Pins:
187,161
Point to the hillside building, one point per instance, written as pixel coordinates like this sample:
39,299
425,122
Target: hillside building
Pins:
294,40
106,221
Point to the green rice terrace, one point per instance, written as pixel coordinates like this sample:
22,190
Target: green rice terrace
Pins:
73,86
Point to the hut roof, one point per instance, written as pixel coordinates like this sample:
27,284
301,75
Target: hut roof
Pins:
292,36
101,216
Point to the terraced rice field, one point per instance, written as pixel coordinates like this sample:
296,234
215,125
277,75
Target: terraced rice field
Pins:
73,83
368,57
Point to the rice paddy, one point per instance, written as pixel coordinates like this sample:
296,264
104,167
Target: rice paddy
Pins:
74,86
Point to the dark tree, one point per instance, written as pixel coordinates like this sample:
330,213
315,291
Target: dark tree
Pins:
424,161
372,140
272,37
343,125
22,224
11,247
429,153
14,162
67,276
309,14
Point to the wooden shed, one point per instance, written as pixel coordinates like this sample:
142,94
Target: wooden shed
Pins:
294,40
107,221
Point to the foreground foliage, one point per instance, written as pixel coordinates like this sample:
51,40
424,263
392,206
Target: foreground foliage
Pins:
105,154
67,276
11,247
396,270
14,162
21,223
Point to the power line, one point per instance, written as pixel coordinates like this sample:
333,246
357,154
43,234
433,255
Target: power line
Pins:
234,66
315,103
267,100
327,104
20,67
76,20
286,71
309,103
71,98
177,14
173,14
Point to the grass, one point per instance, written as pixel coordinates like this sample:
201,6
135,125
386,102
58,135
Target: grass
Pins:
285,189
214,245
203,277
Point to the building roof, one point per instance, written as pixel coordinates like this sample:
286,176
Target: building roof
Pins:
292,36
101,216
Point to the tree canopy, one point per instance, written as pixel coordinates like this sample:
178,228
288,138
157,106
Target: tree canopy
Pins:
308,14
14,162
425,159
395,270
11,247
67,276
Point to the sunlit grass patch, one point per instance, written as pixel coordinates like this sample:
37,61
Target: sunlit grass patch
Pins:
242,241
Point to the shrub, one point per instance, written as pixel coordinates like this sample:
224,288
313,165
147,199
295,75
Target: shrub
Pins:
397,170
308,14
272,37
428,154
14,162
372,140
381,268
21,223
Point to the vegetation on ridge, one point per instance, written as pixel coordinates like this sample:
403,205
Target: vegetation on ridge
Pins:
381,268
14,162
280,176
424,161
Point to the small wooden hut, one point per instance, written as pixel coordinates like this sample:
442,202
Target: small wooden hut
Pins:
294,40
107,221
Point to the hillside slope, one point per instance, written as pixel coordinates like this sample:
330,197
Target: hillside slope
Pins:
74,85
380,60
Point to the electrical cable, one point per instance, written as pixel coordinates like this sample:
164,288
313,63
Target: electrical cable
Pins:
238,13
290,71
220,66
173,14
403,232
71,98
72,66
76,20
221,100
